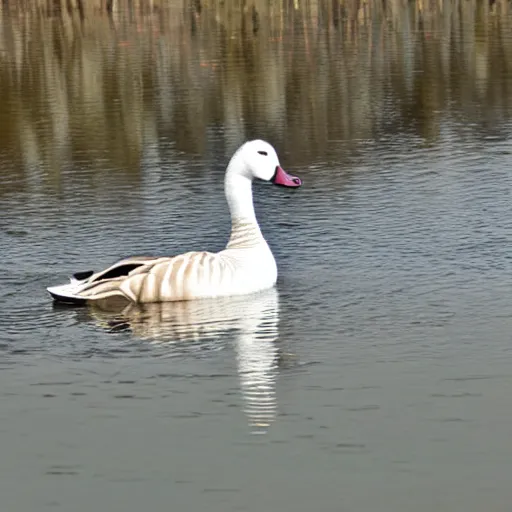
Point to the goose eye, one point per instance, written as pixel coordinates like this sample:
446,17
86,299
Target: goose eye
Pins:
264,153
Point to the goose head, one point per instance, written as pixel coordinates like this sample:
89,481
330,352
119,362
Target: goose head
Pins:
258,159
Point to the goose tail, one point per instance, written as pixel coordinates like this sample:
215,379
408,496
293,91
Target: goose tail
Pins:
79,293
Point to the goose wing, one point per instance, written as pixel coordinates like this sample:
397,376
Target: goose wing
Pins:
186,276
98,284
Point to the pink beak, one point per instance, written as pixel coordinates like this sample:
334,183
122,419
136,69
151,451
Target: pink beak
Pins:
284,179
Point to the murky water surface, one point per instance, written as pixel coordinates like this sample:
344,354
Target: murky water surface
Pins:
378,374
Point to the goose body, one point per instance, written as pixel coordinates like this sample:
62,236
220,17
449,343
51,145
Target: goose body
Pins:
245,266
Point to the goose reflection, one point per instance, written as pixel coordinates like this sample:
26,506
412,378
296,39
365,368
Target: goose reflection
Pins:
252,321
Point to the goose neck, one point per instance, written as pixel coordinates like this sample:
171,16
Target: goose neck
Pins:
238,190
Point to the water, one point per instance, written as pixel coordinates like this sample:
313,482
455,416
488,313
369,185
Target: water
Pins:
376,376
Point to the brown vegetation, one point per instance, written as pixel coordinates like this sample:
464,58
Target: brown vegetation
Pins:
104,91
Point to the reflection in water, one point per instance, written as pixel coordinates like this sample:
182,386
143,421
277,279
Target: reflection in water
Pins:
192,326
116,94
394,262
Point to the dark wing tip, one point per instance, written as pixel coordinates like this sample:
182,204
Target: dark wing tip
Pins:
80,276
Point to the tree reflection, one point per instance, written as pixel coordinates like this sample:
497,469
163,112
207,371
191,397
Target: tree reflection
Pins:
97,92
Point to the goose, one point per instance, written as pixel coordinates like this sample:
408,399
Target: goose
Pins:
246,265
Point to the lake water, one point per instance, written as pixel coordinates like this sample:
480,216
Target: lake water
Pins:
376,376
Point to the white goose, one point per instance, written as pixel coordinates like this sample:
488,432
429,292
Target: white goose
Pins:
245,266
